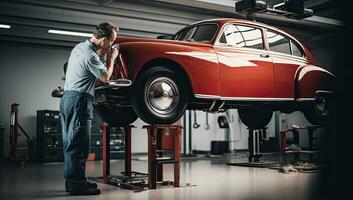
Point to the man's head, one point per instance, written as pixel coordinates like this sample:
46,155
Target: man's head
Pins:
106,34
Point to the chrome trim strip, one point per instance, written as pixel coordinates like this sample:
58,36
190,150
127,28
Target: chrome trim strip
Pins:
324,91
206,96
256,99
305,99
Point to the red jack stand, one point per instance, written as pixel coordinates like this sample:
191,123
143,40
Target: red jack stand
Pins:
129,179
295,131
14,134
157,143
106,149
169,140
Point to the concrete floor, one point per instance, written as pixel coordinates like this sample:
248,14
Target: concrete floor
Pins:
212,177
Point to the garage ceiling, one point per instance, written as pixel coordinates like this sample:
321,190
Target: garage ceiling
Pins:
30,20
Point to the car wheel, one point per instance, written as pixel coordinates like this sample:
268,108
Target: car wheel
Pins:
118,116
255,118
319,111
161,96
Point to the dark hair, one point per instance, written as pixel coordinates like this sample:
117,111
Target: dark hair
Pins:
105,29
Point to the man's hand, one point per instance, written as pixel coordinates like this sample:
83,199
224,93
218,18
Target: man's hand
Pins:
110,64
113,54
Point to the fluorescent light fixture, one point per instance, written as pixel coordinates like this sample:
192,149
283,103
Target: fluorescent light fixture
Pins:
5,26
73,33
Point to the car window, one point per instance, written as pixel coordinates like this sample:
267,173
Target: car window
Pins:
242,36
200,33
188,34
296,50
278,43
232,37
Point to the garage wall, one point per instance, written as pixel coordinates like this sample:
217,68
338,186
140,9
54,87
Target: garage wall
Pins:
239,133
31,59
28,74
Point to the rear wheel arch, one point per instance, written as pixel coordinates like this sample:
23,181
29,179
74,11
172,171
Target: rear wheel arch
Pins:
315,92
311,79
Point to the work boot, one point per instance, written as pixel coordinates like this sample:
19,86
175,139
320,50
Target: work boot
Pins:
84,189
68,185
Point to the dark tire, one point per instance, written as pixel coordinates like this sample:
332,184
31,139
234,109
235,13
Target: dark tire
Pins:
160,95
255,118
117,116
319,112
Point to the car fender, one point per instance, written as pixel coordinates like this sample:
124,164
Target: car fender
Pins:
199,61
310,80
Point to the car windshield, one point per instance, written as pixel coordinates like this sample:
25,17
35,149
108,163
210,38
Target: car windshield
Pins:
200,33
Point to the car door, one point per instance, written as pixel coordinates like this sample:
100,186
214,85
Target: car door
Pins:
287,57
245,68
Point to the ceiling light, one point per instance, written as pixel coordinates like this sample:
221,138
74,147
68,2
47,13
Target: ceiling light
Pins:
5,26
73,33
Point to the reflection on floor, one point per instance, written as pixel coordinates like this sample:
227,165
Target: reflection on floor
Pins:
214,179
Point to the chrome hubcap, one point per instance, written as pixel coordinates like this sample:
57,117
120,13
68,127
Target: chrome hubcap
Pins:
162,95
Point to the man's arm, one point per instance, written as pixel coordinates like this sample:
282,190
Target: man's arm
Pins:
110,65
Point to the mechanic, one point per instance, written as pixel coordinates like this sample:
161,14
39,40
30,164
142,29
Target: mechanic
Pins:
85,66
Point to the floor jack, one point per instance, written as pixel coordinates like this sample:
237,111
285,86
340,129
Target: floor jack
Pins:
14,134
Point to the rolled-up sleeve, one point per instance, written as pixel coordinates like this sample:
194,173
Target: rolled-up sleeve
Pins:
96,67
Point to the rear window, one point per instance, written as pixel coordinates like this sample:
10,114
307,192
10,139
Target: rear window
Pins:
281,44
278,43
296,50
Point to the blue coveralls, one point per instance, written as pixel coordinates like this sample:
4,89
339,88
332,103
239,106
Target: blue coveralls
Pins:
76,108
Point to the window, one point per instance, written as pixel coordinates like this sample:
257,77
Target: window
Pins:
201,33
242,36
278,43
296,50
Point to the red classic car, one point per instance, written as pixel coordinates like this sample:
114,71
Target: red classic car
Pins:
214,65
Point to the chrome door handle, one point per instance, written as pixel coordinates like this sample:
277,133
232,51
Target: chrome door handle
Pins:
264,55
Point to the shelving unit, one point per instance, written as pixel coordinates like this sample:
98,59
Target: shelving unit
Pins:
50,144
